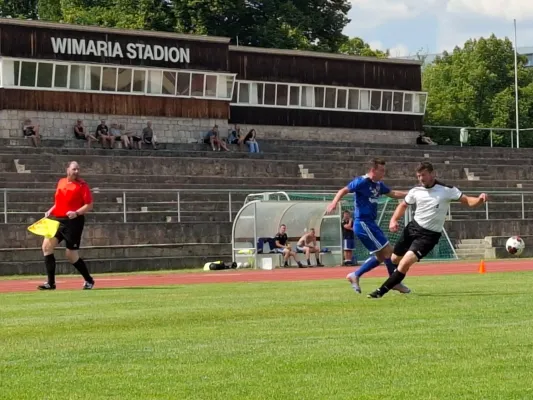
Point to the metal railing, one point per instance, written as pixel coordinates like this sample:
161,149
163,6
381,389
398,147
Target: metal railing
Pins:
122,199
495,137
518,204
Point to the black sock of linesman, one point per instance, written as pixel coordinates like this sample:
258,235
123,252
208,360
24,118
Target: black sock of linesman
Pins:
393,280
50,263
82,268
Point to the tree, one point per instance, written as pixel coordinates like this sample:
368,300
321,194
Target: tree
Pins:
357,47
474,87
285,24
18,8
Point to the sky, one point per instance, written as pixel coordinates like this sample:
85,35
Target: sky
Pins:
407,26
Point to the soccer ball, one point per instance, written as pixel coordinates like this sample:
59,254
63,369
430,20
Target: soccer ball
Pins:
515,245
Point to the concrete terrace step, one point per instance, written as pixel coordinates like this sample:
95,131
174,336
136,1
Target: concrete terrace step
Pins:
301,148
126,234
98,266
109,252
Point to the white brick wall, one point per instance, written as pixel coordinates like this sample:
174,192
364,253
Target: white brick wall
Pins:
182,130
332,134
55,125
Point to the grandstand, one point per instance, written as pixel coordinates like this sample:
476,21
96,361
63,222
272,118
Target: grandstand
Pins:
174,207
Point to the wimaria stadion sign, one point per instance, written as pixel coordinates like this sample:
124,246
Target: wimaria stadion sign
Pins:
101,48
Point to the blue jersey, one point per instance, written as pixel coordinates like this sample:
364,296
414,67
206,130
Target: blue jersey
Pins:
366,195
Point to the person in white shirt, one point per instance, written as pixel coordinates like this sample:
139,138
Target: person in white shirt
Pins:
420,236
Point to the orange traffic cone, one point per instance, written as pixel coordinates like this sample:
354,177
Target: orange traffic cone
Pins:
482,269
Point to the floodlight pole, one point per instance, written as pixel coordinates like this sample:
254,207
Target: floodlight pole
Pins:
516,87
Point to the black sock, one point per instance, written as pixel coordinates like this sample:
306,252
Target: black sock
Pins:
50,263
396,278
308,262
82,268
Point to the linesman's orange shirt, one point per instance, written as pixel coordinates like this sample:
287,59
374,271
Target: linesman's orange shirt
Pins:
71,196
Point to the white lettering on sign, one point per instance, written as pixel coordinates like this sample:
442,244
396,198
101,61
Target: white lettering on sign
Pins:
101,48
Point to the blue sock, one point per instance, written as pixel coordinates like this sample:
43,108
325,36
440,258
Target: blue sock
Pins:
368,265
390,266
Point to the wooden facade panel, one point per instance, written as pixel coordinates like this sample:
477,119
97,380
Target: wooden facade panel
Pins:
36,43
333,119
97,103
323,71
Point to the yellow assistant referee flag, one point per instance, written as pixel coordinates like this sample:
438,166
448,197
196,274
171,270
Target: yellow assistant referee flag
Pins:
45,227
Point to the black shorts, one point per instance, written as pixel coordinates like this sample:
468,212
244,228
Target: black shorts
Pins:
416,239
70,230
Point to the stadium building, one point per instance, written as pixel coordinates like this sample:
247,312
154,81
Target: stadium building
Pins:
57,73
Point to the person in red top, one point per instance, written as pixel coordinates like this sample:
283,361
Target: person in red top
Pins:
73,199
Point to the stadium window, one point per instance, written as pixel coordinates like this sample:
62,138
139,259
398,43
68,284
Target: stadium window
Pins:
397,102
341,98
235,97
210,85
28,73
308,96
224,86
197,85
10,72
244,92
319,96
408,102
270,94
256,93
331,93
169,83
93,79
364,97
386,104
184,84
420,98
45,74
77,77
124,80
109,79
375,100
282,95
155,81
353,99
294,99
139,81
61,76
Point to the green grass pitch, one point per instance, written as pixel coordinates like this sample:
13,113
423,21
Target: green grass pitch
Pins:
456,337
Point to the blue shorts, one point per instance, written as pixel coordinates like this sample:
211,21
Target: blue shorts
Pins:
349,244
371,235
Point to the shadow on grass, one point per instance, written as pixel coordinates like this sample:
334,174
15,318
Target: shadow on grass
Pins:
139,287
468,294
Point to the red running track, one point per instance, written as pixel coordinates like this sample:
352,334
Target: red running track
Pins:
232,276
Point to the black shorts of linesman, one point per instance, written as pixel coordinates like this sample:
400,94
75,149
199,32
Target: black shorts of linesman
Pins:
73,199
419,237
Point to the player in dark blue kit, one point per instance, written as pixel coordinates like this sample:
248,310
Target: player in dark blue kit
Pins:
367,189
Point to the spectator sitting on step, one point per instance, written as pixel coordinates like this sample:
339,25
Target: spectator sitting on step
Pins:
125,136
213,138
249,139
423,140
81,134
307,245
103,135
31,131
282,247
148,136
235,135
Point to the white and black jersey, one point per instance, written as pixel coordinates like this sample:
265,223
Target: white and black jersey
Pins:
422,235
432,204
